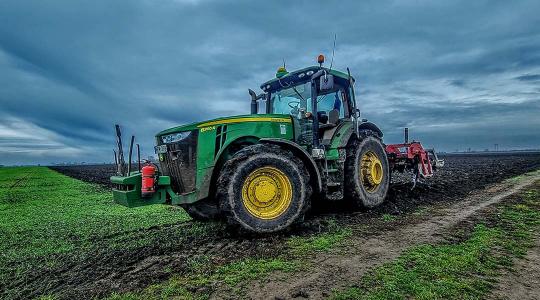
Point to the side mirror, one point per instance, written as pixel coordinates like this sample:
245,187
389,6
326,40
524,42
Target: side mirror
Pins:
326,82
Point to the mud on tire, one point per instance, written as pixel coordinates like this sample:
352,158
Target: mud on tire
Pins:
355,190
202,210
234,181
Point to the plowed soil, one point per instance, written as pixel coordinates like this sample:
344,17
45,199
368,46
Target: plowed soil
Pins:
133,269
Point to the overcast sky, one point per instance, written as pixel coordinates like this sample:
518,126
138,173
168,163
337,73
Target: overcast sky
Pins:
460,74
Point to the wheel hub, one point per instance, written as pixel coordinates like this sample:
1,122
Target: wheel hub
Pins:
265,190
267,193
371,171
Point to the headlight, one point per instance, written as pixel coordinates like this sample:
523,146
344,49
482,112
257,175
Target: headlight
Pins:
175,137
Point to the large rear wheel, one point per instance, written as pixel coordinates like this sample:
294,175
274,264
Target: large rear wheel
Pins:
264,188
367,172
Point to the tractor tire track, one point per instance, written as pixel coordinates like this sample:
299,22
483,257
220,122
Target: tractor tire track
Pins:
10,195
20,180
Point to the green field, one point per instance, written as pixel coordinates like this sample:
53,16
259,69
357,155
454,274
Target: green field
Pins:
48,219
51,223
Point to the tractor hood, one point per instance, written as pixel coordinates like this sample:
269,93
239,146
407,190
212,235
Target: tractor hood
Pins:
228,120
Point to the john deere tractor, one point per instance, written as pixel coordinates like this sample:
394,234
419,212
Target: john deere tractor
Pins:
304,141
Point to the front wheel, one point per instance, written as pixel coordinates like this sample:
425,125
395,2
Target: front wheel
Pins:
264,188
367,173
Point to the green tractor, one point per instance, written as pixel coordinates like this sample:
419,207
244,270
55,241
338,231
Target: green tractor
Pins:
304,141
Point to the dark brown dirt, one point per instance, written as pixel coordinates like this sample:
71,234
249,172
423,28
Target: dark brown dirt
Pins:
104,272
99,174
461,175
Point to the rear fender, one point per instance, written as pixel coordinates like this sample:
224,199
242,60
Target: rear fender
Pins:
350,133
372,127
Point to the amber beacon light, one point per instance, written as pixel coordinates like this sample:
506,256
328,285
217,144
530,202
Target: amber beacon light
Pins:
320,59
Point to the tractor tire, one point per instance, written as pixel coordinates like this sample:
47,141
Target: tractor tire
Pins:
367,171
202,210
263,188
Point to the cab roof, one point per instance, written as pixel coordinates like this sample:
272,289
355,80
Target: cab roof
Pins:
297,77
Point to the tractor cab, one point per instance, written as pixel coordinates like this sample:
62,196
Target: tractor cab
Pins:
317,98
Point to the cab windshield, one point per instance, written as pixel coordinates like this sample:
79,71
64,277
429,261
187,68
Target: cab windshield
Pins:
296,101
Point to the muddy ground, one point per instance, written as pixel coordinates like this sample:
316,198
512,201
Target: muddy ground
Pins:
135,269
99,174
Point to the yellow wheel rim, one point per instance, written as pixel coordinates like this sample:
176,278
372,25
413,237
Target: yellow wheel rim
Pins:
371,171
267,193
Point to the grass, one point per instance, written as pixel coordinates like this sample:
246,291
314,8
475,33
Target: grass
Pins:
250,269
464,270
520,177
388,217
46,217
322,242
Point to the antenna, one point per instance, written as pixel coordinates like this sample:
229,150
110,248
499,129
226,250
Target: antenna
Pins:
284,63
333,50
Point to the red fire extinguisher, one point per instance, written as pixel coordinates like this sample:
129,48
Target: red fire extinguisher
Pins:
148,187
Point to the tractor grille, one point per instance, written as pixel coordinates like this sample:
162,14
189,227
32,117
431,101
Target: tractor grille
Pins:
180,163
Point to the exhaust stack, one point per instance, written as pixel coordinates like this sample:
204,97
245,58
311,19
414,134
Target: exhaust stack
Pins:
406,135
139,157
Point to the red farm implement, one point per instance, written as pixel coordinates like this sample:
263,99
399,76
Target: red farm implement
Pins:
412,157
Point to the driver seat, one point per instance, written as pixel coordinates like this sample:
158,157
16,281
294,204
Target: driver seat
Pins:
333,119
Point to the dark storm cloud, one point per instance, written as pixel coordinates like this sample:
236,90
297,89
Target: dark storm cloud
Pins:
458,82
529,77
460,72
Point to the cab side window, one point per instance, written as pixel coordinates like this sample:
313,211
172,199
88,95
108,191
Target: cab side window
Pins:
332,101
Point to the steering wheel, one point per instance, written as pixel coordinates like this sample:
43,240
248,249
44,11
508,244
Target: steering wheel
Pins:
294,104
